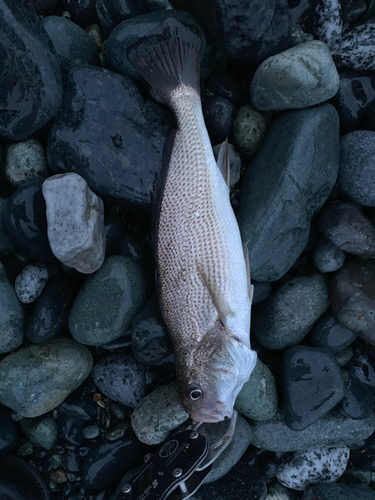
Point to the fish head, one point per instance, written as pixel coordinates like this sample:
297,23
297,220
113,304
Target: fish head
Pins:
219,367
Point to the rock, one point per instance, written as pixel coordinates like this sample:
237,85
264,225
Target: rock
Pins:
82,11
277,491
362,365
6,244
71,429
356,49
299,36
120,378
115,232
108,301
52,371
324,465
358,402
72,44
11,315
285,186
223,83
258,397
91,432
333,429
218,117
288,314
313,385
346,227
30,282
339,492
352,294
8,433
41,433
357,167
328,333
112,12
106,133
261,291
344,356
234,163
327,257
25,162
159,413
31,77
299,77
249,128
75,222
328,23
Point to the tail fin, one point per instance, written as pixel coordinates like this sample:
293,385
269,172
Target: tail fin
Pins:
168,59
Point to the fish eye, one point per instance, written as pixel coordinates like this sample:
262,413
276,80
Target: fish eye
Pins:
195,393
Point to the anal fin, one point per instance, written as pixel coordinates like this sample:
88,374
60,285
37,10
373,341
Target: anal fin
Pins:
223,162
250,287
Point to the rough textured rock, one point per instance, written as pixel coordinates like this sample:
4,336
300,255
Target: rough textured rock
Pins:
249,128
328,23
339,492
327,257
25,162
289,180
11,315
30,282
356,49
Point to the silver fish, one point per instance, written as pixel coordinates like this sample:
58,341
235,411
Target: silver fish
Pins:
204,280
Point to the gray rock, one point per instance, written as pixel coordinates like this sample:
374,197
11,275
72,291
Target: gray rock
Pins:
75,222
357,48
339,492
234,163
333,429
324,465
30,282
288,181
328,333
277,491
25,162
11,315
249,128
5,243
42,433
37,378
299,36
261,291
299,77
327,257
328,23
91,432
344,356
159,413
108,301
258,397
285,318
357,166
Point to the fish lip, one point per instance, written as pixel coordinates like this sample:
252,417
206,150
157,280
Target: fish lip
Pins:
210,417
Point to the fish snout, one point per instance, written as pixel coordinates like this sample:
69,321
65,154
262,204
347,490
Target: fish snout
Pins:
212,415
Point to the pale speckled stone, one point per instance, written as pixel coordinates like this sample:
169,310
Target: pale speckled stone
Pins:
249,128
357,48
30,282
75,222
159,413
25,162
328,23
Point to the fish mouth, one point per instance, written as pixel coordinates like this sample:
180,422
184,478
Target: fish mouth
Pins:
210,416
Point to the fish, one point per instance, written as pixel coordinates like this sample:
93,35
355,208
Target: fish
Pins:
203,273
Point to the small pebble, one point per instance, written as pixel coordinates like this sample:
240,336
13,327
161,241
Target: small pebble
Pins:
118,431
25,162
249,128
30,282
25,449
344,356
42,433
218,116
327,256
91,432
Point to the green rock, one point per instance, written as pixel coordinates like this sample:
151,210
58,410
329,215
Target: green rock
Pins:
37,378
333,429
42,433
108,302
25,449
285,318
11,315
334,491
159,413
285,185
249,128
258,397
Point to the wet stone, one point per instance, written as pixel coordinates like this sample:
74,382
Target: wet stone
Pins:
362,365
25,162
344,356
261,291
112,12
108,301
91,432
288,314
41,433
121,378
328,333
285,186
218,117
8,433
30,282
301,76
327,257
339,492
82,11
358,402
249,128
11,315
71,429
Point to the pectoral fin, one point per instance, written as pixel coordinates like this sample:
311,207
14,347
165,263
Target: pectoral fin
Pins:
223,162
250,287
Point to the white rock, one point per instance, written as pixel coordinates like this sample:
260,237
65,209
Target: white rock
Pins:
324,465
25,162
75,222
30,282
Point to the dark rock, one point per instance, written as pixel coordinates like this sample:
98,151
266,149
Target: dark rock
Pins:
218,116
327,332
21,480
114,233
79,405
111,12
73,462
313,385
106,133
31,78
261,291
334,491
358,402
71,429
302,13
82,11
363,457
224,84
362,365
11,315
327,257
8,433
344,356
352,294
261,464
285,186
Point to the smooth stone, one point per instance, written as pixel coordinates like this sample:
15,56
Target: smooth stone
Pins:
352,295
324,465
362,365
73,462
11,315
299,36
287,315
258,397
150,339
328,23
313,385
277,491
49,315
224,84
109,135
8,433
81,11
91,432
80,404
111,12
31,77
302,13
261,291
356,49
344,356
6,244
30,282
333,429
218,117
328,333
106,462
121,378
25,162
118,431
75,222
52,371
235,163
41,433
108,301
159,413
26,223
358,402
249,129
286,186
72,44
71,428
339,492
233,453
357,167
352,475
299,77
327,257
346,227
